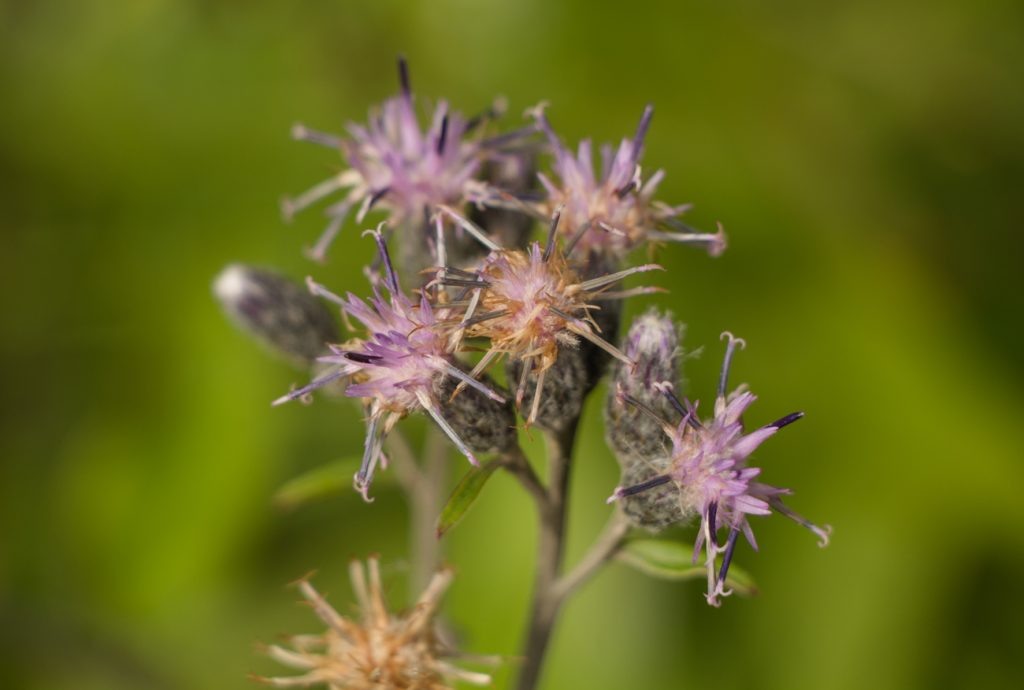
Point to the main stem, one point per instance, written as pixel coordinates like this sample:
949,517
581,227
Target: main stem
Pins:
550,551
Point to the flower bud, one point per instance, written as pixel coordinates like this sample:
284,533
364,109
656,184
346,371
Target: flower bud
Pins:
607,317
565,386
276,311
483,423
636,437
657,508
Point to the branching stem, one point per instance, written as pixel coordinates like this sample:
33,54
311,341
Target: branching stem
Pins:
550,550
602,551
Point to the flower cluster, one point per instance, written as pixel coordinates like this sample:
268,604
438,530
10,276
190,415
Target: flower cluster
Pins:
379,649
459,200
708,476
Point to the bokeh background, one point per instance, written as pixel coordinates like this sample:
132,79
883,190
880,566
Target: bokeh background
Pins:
867,159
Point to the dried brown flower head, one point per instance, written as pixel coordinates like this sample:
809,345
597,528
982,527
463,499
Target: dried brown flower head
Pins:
530,304
381,650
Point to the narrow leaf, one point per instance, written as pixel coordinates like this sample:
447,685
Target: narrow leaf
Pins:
671,560
464,495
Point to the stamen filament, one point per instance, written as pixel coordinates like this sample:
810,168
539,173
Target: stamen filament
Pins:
289,207
594,283
435,413
472,228
302,133
730,348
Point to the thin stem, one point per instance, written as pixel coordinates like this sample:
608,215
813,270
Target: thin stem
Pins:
550,550
601,551
403,461
424,486
427,547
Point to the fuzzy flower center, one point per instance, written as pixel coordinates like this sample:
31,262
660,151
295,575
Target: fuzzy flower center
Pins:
537,300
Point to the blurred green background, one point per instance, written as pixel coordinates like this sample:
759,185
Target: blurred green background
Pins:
866,158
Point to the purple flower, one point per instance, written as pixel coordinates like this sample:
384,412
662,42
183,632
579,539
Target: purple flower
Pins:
709,472
616,211
396,166
396,368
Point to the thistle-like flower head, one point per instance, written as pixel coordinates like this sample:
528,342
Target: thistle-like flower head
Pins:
616,210
396,166
529,303
379,649
709,474
540,302
397,368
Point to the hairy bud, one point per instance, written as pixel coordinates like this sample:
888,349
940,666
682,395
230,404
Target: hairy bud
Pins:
564,387
656,509
636,437
607,317
483,423
278,312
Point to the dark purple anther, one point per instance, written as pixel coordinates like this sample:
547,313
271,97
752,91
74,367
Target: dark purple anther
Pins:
730,546
552,233
641,131
626,189
712,524
375,197
787,420
643,486
442,138
390,277
403,77
685,409
360,357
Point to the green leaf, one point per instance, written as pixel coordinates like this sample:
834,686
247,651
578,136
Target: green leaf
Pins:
464,495
321,482
671,560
